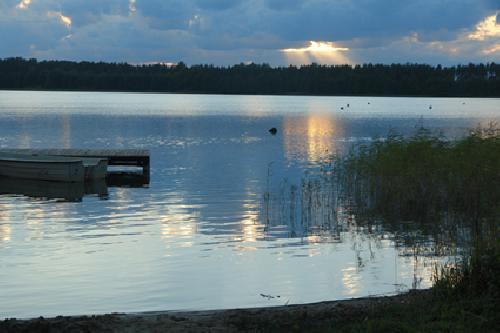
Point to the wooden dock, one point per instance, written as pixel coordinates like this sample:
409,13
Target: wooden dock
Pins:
118,157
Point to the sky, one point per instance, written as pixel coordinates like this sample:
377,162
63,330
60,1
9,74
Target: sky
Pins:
278,32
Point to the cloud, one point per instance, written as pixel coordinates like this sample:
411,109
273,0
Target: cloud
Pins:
493,49
24,4
132,7
65,20
479,44
217,4
321,52
487,28
233,31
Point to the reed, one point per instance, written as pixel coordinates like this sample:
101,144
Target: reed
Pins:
452,185
438,197
425,175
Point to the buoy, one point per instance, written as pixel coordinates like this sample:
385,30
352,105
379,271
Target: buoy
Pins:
273,131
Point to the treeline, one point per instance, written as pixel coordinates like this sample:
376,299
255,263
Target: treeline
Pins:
474,80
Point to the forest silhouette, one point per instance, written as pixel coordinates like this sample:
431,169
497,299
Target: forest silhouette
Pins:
471,80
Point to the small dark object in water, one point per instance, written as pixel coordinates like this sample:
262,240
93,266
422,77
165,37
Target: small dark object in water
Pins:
368,102
347,104
341,108
273,131
430,107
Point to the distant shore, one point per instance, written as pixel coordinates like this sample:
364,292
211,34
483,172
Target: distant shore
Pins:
471,80
285,94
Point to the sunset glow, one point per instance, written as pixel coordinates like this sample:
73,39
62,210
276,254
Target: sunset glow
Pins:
486,28
66,20
494,49
317,51
23,4
317,47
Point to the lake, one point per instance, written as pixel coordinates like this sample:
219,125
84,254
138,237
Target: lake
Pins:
232,217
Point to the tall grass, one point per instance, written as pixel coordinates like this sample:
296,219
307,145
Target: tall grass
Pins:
424,175
428,178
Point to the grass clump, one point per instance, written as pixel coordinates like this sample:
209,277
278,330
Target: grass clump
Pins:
425,174
427,178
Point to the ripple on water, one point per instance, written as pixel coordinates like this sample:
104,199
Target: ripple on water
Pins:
221,222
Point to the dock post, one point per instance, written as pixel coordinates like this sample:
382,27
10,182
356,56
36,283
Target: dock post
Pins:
146,168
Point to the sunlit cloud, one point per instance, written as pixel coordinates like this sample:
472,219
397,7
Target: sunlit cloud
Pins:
317,47
163,63
66,20
197,22
67,37
482,41
132,7
444,47
225,32
493,49
24,4
194,20
322,52
486,28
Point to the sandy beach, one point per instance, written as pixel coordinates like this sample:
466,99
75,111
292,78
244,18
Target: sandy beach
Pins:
303,317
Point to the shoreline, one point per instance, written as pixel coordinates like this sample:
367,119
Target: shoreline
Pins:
296,317
154,92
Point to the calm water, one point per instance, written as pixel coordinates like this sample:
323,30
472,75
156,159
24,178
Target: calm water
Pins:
230,218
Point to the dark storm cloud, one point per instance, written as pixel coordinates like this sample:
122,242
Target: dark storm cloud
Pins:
364,18
230,31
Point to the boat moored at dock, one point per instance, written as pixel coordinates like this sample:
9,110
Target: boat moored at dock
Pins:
42,168
69,165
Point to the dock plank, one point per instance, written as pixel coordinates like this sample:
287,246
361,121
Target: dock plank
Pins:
82,152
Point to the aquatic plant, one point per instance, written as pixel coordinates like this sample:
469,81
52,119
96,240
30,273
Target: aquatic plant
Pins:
451,186
422,176
437,197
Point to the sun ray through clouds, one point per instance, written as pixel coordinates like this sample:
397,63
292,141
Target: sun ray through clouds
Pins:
318,51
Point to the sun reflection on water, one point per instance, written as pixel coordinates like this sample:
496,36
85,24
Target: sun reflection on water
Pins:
66,131
311,137
5,232
351,280
195,218
179,222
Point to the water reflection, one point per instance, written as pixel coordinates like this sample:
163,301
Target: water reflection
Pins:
52,190
320,210
311,137
351,280
5,230
66,131
69,191
251,227
310,208
178,221
229,205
